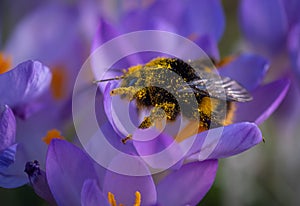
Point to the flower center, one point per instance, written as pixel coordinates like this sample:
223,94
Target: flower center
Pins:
58,83
5,63
112,201
52,134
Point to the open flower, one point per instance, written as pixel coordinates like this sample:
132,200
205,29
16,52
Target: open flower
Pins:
247,69
94,185
192,175
21,89
40,95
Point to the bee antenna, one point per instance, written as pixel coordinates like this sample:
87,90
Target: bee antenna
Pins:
106,80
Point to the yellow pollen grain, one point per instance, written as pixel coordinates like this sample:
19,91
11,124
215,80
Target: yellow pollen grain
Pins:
5,63
52,134
58,82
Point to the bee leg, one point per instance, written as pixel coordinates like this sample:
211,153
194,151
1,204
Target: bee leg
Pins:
127,91
125,139
158,113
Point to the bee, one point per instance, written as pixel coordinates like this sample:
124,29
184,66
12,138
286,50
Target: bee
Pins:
167,86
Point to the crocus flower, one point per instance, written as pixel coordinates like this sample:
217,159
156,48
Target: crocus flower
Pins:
193,177
41,103
271,28
94,185
248,69
21,89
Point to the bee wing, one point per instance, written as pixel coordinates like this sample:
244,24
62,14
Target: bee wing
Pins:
220,88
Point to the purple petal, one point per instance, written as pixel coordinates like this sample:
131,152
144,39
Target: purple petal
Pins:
227,141
124,187
138,19
91,195
24,111
38,181
29,136
204,17
120,126
224,141
248,69
106,32
294,49
111,129
14,176
209,46
25,82
158,150
7,156
45,34
188,185
266,99
264,24
67,167
7,128
292,11
157,10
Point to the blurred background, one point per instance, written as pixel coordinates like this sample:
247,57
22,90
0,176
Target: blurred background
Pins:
268,174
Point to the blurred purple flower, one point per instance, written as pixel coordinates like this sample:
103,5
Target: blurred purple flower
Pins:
21,89
196,20
50,33
272,28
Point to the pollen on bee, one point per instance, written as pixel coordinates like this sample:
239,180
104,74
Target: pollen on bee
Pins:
230,113
207,105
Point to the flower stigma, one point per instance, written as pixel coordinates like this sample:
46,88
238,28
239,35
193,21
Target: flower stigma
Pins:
52,134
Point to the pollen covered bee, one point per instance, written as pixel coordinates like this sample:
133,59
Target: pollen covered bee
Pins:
170,86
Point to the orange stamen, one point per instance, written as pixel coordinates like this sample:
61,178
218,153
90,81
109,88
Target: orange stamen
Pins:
58,83
52,134
5,63
225,61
